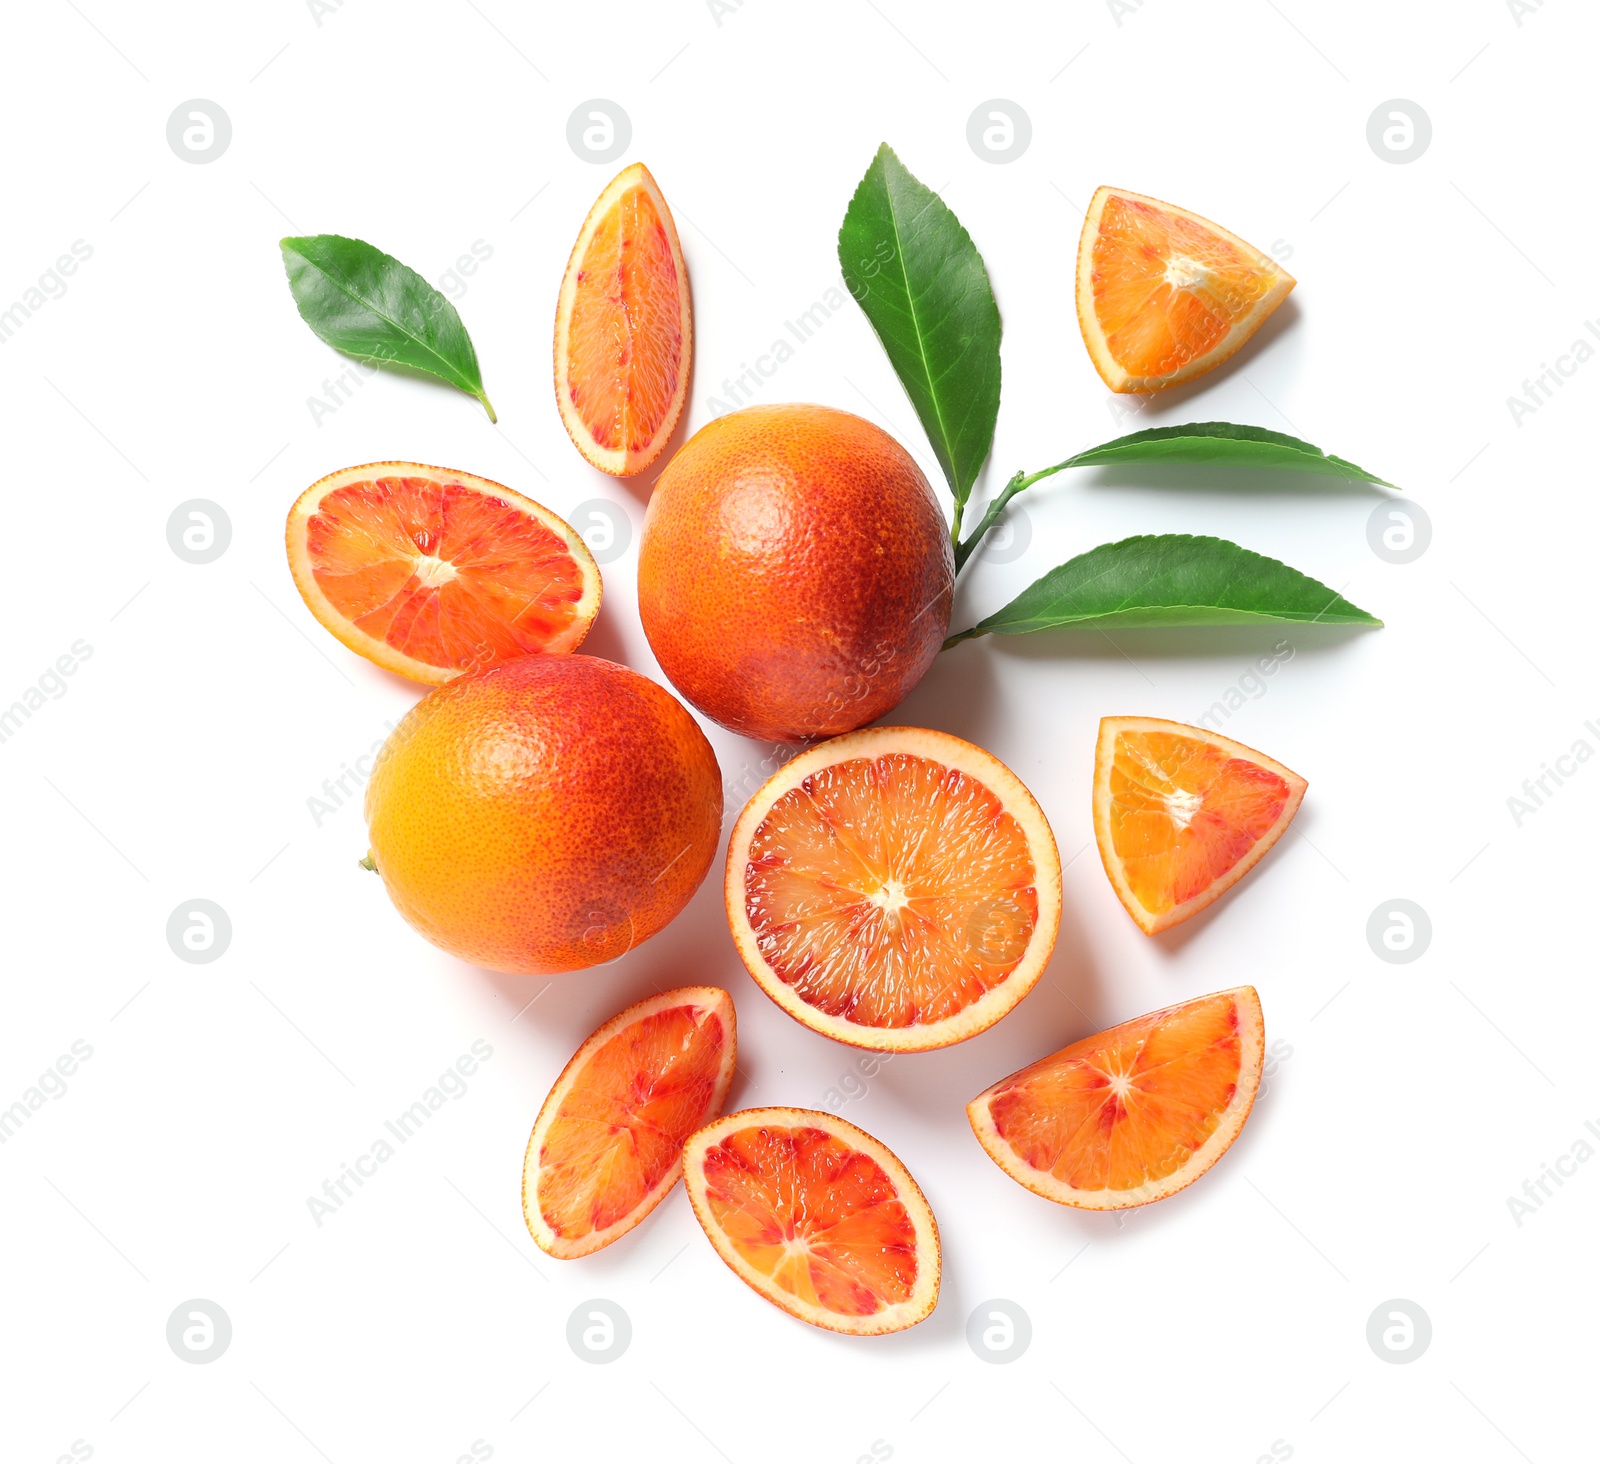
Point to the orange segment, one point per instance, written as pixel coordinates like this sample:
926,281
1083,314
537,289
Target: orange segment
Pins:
624,330
1132,1114
1182,814
817,1216
430,572
1163,294
894,888
608,1143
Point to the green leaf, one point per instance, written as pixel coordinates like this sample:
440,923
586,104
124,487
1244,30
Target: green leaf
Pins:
1169,580
1223,444
367,304
920,279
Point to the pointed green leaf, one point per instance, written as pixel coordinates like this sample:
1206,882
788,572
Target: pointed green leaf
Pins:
921,281
1223,444
367,304
1169,580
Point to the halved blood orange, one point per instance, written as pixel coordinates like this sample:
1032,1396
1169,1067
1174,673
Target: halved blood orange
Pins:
817,1216
430,572
1131,1114
1163,294
608,1143
894,888
1181,814
624,328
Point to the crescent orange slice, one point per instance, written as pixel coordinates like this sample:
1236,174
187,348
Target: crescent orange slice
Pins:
608,1143
624,328
1163,294
894,888
1132,1114
818,1217
430,572
1181,814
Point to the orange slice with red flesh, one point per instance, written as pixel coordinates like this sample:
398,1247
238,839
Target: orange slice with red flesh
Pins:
1181,814
608,1143
894,888
818,1217
1132,1114
1163,294
429,572
624,328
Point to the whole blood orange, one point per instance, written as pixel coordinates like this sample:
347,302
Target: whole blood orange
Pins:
795,572
544,814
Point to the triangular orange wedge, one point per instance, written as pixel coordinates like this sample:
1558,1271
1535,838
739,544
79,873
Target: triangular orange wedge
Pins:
430,572
1181,814
817,1216
1132,1114
608,1143
1163,294
624,328
894,888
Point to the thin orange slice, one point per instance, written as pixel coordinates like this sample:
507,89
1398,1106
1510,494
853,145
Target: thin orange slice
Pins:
608,1143
1163,294
1132,1114
818,1217
430,572
894,888
1181,814
624,328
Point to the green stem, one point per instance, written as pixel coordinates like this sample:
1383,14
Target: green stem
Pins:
484,398
956,640
368,862
1018,482
955,532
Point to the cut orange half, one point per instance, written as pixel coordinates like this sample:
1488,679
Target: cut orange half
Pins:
608,1143
817,1216
624,328
1132,1114
1163,294
430,572
894,888
1181,814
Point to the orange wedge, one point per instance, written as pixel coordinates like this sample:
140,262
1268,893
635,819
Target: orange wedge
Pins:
817,1216
1132,1114
624,330
894,888
430,572
1163,294
608,1143
1181,815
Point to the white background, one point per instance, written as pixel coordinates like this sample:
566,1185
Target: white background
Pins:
1409,1101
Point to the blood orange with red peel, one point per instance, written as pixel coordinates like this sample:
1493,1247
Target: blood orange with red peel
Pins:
795,572
431,572
607,1146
